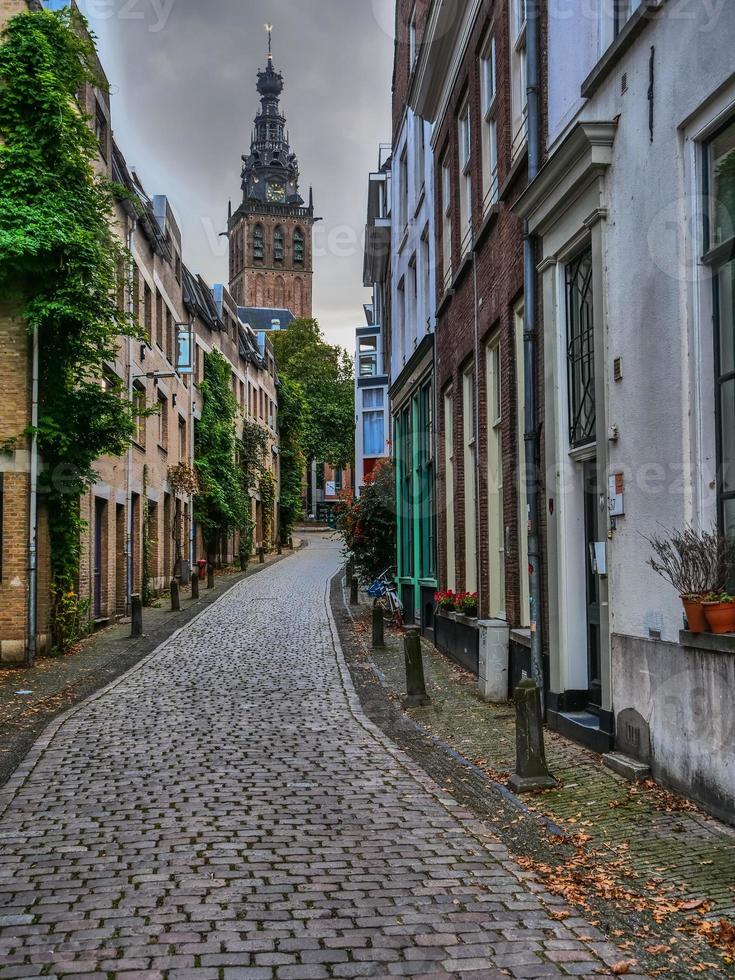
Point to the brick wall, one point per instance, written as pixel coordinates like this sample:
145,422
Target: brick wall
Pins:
402,69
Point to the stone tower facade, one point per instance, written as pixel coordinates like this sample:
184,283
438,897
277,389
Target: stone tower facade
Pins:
271,231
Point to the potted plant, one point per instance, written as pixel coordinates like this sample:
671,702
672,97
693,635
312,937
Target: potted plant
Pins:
467,604
719,610
446,601
696,563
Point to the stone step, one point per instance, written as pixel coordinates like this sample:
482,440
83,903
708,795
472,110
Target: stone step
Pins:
630,769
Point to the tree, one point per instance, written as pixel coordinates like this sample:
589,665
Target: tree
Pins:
292,412
325,374
368,524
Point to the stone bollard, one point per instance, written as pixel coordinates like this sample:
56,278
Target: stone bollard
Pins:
349,570
416,695
279,548
194,585
136,615
210,575
532,771
378,628
175,596
261,555
354,591
290,544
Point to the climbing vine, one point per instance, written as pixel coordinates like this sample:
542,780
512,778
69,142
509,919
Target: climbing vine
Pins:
267,499
58,263
221,503
292,410
253,449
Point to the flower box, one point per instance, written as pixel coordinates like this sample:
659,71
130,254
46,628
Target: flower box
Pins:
458,637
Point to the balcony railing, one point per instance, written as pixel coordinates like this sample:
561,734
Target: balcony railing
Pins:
493,193
521,135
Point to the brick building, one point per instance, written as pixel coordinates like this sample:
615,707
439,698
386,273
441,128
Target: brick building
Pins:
469,81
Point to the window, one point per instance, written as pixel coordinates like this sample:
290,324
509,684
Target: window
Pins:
623,10
299,249
258,244
425,475
148,312
101,130
401,312
278,245
470,494
519,78
183,444
139,407
162,421
368,357
451,582
419,155
525,611
496,517
426,279
338,479
159,320
489,128
581,350
373,422
719,246
413,297
169,336
177,267
412,40
465,181
447,221
403,191
405,489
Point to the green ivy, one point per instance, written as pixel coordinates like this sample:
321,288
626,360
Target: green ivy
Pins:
59,260
292,411
267,500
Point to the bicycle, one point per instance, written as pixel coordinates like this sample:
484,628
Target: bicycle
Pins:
384,594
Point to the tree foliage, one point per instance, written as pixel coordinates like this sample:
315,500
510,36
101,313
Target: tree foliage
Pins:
368,524
325,374
59,261
292,412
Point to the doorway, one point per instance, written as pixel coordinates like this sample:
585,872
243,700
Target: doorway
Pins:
592,535
99,553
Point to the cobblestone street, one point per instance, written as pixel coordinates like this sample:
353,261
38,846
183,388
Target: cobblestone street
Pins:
226,810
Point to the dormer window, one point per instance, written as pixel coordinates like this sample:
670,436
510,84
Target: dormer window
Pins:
258,244
299,247
278,244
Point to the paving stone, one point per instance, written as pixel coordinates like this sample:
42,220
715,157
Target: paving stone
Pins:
227,812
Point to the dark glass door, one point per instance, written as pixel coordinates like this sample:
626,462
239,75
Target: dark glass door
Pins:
591,514
99,522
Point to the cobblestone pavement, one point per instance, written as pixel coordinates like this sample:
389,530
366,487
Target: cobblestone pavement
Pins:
226,810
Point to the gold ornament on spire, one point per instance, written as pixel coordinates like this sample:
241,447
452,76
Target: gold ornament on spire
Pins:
269,32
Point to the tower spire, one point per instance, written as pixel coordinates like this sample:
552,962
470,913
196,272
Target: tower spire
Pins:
269,32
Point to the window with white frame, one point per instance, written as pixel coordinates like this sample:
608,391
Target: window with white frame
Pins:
426,278
413,298
401,313
496,513
719,252
465,180
412,40
373,422
419,155
623,9
470,485
488,72
519,77
368,356
447,221
403,193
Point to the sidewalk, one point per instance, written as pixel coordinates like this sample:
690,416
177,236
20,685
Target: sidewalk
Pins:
58,683
648,864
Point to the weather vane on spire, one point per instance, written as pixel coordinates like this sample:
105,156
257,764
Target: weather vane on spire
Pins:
269,32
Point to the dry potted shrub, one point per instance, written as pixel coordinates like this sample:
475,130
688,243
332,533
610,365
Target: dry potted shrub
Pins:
697,564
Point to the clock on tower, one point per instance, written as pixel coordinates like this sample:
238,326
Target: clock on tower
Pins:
276,193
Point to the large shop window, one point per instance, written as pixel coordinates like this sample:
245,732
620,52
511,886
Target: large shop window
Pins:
719,244
426,479
373,422
581,350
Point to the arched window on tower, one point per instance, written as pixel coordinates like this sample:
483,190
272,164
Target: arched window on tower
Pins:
299,247
278,244
258,244
280,295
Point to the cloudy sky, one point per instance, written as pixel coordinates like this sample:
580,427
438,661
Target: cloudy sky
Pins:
183,77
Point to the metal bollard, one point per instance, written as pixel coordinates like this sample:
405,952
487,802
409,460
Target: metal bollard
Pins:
378,628
136,615
194,585
354,590
175,596
416,695
210,575
532,772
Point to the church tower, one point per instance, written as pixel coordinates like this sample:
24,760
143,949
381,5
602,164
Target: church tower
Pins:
271,231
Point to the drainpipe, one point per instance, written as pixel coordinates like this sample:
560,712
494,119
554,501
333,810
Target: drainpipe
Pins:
530,311
33,516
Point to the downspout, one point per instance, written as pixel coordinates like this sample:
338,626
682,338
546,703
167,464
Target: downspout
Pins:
129,489
530,316
33,515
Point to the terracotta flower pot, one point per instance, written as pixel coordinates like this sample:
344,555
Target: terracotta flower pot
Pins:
694,610
720,616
